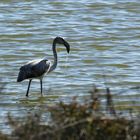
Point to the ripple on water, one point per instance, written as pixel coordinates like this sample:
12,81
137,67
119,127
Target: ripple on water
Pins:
104,39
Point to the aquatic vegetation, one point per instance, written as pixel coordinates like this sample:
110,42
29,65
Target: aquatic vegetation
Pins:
75,121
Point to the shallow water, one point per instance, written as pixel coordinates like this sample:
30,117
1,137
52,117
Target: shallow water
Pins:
104,38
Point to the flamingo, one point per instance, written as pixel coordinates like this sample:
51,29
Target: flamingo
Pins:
37,69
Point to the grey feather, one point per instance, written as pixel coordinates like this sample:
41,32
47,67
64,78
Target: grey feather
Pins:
33,69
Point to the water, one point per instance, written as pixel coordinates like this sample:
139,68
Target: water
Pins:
104,38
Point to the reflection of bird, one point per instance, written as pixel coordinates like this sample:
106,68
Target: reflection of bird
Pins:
37,68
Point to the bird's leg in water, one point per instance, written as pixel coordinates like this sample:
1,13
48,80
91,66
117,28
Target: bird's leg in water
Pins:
28,87
41,86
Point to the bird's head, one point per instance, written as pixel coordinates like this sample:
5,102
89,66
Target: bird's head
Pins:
60,40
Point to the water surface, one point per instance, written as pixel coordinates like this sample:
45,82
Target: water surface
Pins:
104,38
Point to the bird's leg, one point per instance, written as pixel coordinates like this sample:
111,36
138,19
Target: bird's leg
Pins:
41,86
28,87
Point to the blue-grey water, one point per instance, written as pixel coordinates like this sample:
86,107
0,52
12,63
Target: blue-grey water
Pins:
105,40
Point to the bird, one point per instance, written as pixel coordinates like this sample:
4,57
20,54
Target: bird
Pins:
36,69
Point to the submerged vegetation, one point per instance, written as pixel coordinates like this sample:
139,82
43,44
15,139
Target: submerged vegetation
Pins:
76,121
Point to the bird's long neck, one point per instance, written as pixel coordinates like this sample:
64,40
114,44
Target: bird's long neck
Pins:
55,57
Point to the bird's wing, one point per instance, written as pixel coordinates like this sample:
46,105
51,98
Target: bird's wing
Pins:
33,69
40,68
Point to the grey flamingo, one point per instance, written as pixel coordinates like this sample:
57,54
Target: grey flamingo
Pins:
36,69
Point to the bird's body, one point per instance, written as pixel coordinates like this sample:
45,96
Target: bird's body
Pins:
36,69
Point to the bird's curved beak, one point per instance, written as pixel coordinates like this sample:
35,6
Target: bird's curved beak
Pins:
60,40
66,44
